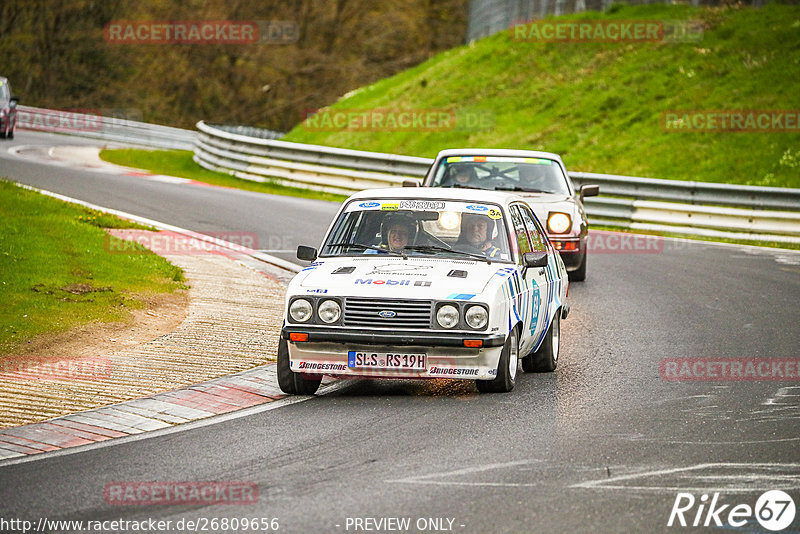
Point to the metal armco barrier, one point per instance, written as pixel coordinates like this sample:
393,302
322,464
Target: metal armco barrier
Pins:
243,147
690,208
96,126
746,196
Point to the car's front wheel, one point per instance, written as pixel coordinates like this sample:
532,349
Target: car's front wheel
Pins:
289,381
506,368
545,359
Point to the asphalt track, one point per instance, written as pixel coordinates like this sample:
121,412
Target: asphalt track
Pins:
604,444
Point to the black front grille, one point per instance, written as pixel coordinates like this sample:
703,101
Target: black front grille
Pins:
407,313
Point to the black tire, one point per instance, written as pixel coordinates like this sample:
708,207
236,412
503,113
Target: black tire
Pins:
289,381
506,368
545,359
579,274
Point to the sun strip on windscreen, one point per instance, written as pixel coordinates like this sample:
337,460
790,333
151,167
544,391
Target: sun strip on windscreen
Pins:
498,159
490,210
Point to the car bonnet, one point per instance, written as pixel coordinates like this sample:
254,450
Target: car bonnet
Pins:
415,278
544,203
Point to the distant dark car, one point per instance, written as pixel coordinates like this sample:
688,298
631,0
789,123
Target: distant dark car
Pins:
8,110
539,177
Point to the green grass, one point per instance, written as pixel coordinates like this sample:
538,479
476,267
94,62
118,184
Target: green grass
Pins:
57,273
600,105
180,163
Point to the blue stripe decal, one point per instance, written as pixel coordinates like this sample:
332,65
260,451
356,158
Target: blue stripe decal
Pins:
460,296
548,297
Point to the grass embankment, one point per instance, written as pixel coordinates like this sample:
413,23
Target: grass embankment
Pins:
180,163
600,105
57,272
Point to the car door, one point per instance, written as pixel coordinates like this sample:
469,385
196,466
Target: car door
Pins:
533,285
551,280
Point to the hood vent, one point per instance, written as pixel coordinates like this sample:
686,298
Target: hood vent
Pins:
457,273
344,270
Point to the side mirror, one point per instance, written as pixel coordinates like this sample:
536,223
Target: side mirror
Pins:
410,183
306,253
589,191
534,259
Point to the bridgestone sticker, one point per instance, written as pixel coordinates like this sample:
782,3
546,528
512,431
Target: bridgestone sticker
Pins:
311,366
446,371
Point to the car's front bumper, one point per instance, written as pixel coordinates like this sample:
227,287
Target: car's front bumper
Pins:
326,352
572,250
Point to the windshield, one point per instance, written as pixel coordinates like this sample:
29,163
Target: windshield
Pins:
425,228
538,175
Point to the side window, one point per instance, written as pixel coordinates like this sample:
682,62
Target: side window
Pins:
538,239
523,241
345,230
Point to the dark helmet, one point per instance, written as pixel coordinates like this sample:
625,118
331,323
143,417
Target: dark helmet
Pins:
461,168
399,219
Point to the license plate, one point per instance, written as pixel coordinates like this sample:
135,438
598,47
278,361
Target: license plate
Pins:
385,360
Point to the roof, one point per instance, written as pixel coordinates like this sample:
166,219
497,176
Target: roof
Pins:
438,193
497,152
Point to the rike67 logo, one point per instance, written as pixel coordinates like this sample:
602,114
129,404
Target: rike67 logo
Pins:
774,510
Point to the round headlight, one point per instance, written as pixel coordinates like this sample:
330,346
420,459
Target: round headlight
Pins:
329,311
300,310
476,317
447,316
559,223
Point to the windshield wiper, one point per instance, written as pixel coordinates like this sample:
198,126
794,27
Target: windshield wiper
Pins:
368,247
518,188
465,186
434,248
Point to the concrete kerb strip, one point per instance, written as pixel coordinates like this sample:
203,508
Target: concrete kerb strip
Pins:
98,437
237,395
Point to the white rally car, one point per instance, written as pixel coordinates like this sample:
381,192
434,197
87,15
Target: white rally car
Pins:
425,283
